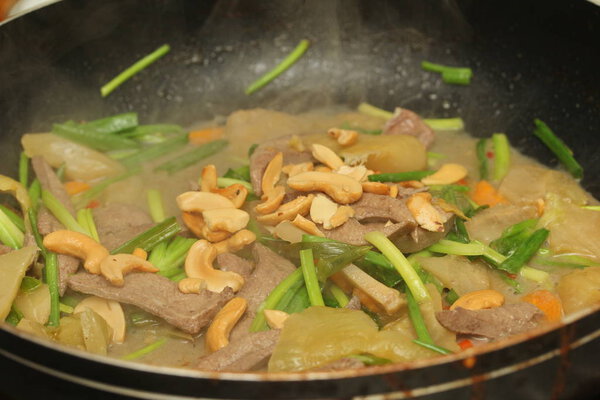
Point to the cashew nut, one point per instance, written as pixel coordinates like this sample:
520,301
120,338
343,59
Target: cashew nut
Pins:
447,174
358,173
110,310
77,245
272,173
113,267
344,137
208,178
376,188
236,242
322,210
237,193
198,264
272,200
327,156
393,191
322,168
202,201
479,299
295,169
300,205
217,334
342,189
275,318
225,219
307,225
412,184
191,285
194,222
426,215
289,232
141,253
343,214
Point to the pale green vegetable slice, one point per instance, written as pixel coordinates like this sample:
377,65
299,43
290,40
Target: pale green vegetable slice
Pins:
81,162
13,266
70,332
96,332
34,304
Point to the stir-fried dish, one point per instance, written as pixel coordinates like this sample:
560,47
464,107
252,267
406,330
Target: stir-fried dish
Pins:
274,242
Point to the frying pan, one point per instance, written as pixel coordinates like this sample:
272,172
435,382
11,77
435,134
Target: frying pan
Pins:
530,59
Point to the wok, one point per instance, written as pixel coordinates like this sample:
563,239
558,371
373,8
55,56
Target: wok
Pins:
530,59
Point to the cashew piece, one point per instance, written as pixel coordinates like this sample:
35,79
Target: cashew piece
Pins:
322,210
322,168
202,201
217,334
237,193
235,243
77,245
342,189
141,253
272,173
479,299
427,216
191,285
376,188
393,191
114,266
447,174
327,156
295,169
272,200
358,173
275,318
289,232
288,211
343,214
110,310
225,219
344,137
198,264
296,143
208,178
195,223
307,225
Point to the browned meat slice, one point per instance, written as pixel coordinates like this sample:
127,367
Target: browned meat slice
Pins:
249,353
380,208
354,303
47,223
341,364
233,263
353,232
265,152
117,223
493,323
158,296
406,122
269,270
5,249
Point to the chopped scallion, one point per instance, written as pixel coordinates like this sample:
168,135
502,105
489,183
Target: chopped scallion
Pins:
400,176
24,169
192,157
310,277
61,213
145,350
501,156
558,147
150,238
155,204
451,75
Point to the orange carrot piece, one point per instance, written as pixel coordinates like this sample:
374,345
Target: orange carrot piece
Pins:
205,135
74,187
546,301
486,194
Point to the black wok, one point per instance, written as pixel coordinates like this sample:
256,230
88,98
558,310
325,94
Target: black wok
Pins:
530,58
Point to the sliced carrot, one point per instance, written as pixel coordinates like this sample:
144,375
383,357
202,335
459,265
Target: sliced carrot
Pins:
93,204
465,344
205,135
486,194
546,301
74,187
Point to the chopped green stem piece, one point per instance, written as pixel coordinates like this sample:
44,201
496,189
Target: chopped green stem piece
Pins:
10,234
29,284
35,191
61,213
461,233
259,323
242,173
513,236
287,62
252,148
525,251
145,350
482,158
24,169
65,308
155,204
91,224
121,154
501,156
144,130
16,219
492,256
149,239
134,69
414,313
433,347
157,255
558,147
32,213
446,246
435,156
224,182
534,274
51,274
155,151
370,359
373,111
114,124
60,172
310,277
592,208
192,157
287,299
452,75
178,277
339,295
445,124
82,199
346,125
400,176
451,296
91,138
401,264
14,316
